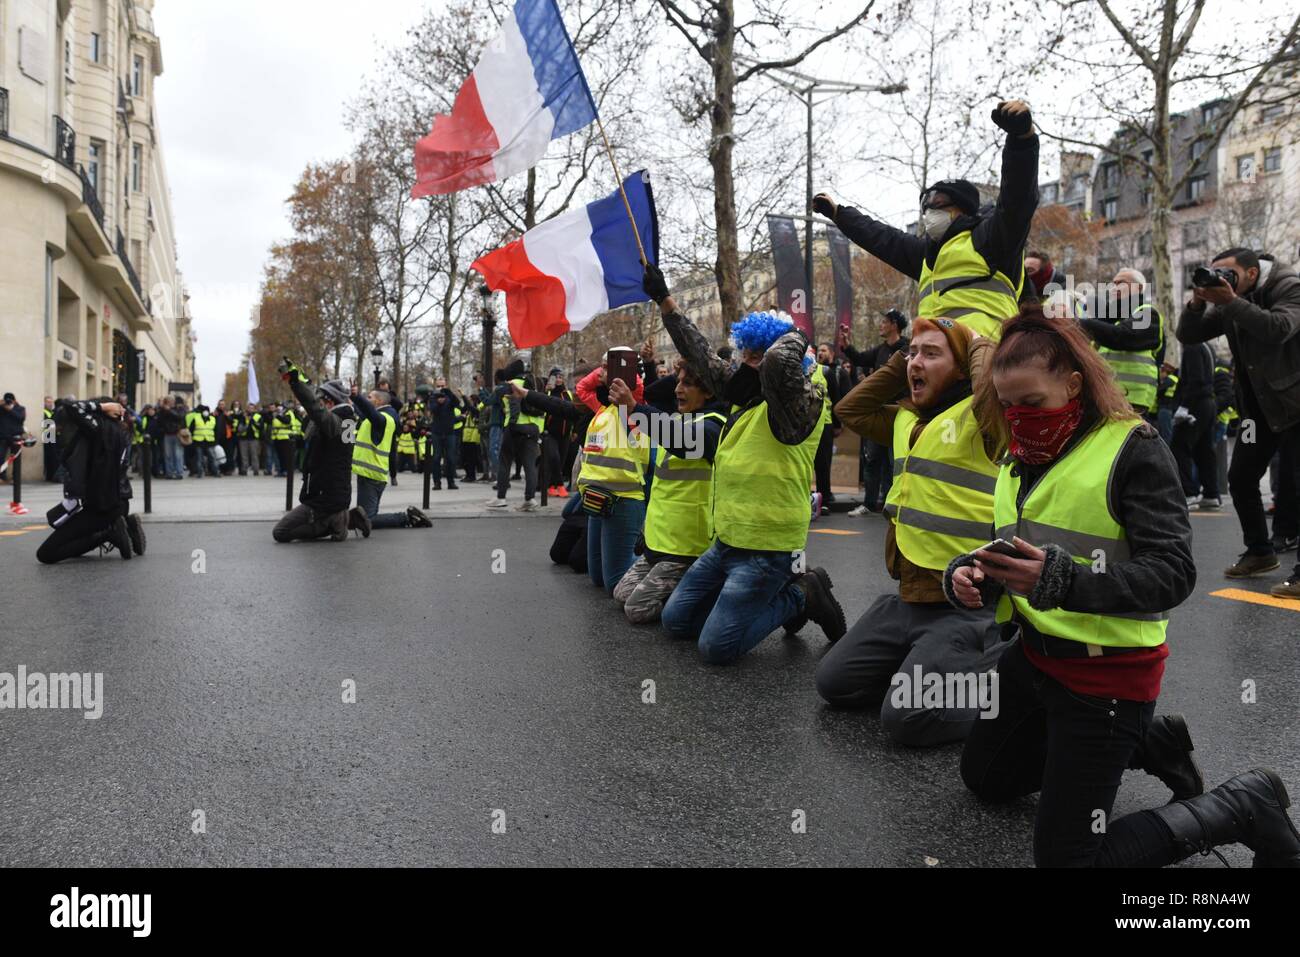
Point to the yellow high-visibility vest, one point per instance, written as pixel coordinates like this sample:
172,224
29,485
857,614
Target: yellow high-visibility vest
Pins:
963,287
941,499
677,519
613,459
1069,506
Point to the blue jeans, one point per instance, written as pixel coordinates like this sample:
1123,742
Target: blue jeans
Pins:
731,599
173,456
494,450
369,492
611,540
879,473
1165,424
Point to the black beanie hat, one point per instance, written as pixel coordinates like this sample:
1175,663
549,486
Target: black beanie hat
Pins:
962,192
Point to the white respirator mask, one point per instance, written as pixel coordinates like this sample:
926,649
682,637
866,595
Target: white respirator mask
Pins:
934,223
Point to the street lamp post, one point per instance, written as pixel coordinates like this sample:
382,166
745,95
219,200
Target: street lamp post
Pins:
489,329
378,355
808,88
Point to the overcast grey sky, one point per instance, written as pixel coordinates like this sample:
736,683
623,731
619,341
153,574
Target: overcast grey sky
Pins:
251,92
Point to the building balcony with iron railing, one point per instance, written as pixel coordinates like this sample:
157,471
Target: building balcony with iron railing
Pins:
130,269
4,111
65,143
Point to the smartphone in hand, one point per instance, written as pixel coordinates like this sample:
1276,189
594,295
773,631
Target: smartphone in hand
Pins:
1002,547
621,364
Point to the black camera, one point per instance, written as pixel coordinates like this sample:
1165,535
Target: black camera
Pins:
1203,277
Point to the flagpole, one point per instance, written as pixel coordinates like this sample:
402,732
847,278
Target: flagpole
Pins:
622,192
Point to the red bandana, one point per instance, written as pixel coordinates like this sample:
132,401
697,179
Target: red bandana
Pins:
1038,435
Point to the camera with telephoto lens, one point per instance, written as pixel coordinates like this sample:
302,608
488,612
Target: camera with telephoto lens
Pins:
1204,276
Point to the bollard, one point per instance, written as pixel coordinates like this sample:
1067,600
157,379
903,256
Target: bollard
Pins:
541,470
146,472
428,474
17,507
288,485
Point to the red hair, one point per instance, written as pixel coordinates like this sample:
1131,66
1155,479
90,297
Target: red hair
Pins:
1063,348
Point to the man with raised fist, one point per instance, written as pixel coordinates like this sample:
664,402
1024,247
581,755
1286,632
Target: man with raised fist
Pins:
969,262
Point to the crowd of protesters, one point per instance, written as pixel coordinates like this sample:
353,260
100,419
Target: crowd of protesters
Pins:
1033,452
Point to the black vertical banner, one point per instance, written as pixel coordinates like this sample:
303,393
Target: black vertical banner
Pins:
787,256
840,269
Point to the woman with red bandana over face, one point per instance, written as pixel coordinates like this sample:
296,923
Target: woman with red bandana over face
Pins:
1091,500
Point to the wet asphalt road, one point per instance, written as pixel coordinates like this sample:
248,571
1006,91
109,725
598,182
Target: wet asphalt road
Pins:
519,693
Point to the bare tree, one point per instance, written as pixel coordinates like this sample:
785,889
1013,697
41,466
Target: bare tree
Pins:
711,29
401,227
1150,55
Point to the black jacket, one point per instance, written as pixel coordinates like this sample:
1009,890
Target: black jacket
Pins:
170,421
95,452
11,421
1195,379
442,415
1263,330
999,236
1126,335
327,461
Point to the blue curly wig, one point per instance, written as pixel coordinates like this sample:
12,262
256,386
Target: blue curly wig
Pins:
758,330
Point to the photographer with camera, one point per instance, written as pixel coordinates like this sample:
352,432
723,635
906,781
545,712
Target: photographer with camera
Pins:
444,436
969,263
1254,302
521,438
327,463
94,450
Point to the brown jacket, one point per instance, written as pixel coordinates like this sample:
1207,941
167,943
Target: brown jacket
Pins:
869,410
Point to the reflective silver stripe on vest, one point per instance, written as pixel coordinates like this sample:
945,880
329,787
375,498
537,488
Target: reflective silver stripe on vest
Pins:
939,524
373,468
1139,615
1145,358
951,474
898,467
1076,543
682,475
609,462
366,445
614,486
984,285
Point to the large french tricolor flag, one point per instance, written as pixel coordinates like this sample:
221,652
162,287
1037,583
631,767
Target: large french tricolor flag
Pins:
527,89
558,276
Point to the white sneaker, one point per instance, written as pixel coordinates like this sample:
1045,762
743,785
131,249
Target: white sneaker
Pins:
1192,501
495,503
859,511
529,506
1210,504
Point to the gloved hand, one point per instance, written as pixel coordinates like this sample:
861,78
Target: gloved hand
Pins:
654,284
1013,116
288,370
1183,414
824,205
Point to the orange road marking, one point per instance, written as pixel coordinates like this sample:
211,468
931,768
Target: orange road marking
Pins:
1256,598
831,531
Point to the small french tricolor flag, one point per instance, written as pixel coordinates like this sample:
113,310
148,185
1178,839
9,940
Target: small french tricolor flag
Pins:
527,89
563,273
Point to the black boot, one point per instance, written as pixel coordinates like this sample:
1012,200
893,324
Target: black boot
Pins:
359,521
120,537
820,605
1249,809
1166,753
